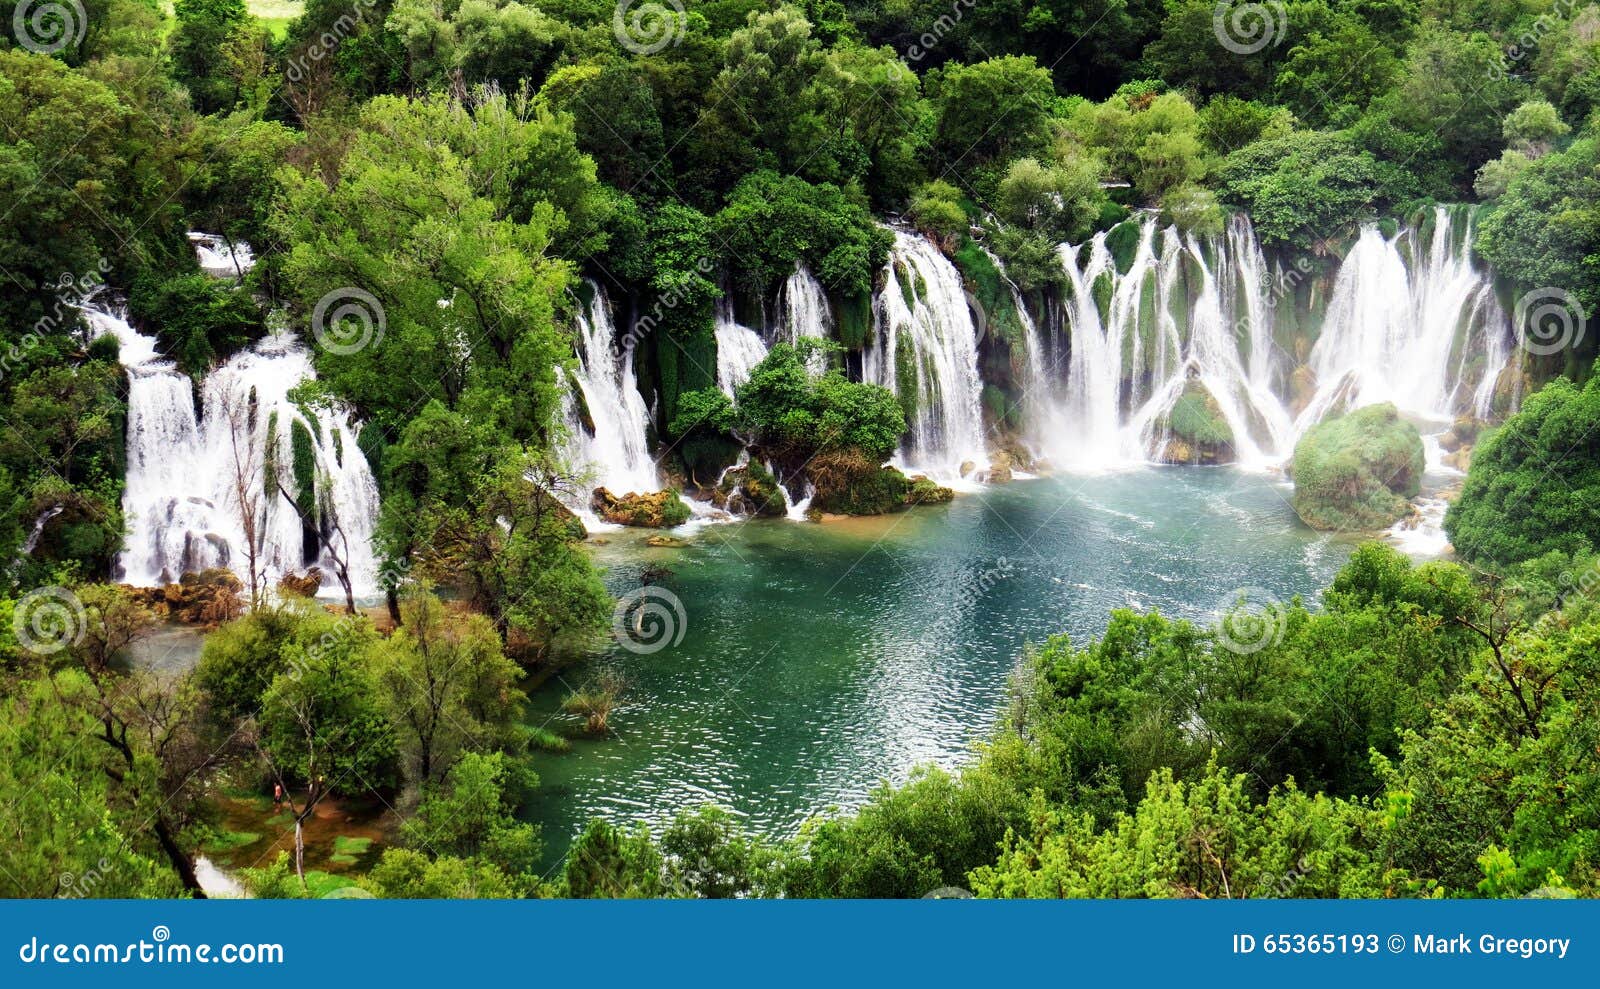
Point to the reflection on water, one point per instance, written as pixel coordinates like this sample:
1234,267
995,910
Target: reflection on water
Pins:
820,659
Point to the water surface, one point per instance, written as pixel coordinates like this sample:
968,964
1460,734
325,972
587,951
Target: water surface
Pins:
818,660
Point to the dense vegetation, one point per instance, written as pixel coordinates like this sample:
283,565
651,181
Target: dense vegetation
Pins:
458,167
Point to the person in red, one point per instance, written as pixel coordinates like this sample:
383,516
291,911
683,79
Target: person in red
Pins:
277,795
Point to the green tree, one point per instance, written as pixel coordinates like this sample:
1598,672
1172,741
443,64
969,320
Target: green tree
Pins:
1534,484
451,690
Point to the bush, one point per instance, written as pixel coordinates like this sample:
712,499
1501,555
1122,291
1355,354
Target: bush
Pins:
199,319
1534,484
1358,470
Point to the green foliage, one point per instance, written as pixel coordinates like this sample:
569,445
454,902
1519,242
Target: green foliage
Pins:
797,415
322,720
968,99
1306,189
1545,229
607,862
472,817
198,52
199,319
1534,482
771,222
937,211
451,690
1358,470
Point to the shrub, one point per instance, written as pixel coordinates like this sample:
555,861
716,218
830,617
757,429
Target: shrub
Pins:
1358,470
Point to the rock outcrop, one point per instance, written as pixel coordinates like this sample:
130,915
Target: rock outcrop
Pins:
659,510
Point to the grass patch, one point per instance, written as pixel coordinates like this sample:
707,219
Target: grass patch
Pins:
547,741
348,850
275,15
227,841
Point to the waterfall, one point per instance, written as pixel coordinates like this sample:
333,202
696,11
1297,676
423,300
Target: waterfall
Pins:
925,349
197,480
1408,317
1410,321
610,445
739,349
805,307
220,257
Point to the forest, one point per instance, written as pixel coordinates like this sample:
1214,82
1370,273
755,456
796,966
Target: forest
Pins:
361,344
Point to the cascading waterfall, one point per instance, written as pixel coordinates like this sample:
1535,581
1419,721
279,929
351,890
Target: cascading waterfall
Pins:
1409,328
197,483
611,448
925,349
220,257
739,349
805,307
1192,318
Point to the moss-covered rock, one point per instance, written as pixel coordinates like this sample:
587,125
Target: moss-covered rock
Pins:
207,598
660,510
848,483
1195,429
924,491
1358,471
750,490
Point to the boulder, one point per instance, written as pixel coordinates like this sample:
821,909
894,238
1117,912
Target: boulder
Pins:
1358,471
659,510
207,598
305,586
750,490
924,491
1195,430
